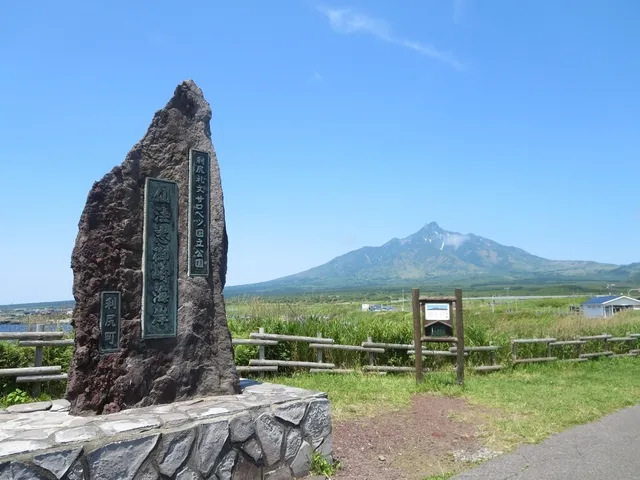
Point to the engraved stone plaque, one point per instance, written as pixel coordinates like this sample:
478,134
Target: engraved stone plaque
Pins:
199,183
109,322
160,259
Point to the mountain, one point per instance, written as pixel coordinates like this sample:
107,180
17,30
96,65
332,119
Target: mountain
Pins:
434,254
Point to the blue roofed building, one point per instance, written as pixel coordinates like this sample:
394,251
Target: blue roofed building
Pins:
607,306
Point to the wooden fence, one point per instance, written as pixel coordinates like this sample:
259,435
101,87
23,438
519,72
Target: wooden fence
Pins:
553,349
322,344
36,374
552,345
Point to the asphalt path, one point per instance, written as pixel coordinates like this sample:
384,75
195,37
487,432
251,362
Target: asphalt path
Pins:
606,449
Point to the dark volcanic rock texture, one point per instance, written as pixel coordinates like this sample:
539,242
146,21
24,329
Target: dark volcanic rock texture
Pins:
108,256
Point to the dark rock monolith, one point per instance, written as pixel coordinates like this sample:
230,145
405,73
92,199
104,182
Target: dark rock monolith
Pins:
198,358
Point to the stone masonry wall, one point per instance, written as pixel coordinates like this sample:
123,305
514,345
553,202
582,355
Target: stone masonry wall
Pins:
272,437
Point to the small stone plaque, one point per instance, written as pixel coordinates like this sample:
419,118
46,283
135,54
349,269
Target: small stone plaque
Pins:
160,259
199,183
109,322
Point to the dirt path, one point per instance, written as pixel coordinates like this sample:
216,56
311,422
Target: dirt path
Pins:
412,443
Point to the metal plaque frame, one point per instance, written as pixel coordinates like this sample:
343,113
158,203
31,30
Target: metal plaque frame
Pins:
110,301
199,213
160,259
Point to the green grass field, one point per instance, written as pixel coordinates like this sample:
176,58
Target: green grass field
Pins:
484,325
343,321
520,404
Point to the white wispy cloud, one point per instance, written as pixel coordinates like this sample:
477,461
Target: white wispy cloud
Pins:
455,240
348,21
316,77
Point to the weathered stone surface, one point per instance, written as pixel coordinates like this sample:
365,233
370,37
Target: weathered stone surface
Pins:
253,449
317,423
292,412
292,444
326,448
202,451
112,427
282,473
173,419
212,438
270,433
34,434
199,413
246,470
76,472
120,460
147,472
61,405
77,434
11,447
19,471
226,465
29,407
108,256
302,463
242,427
187,474
58,462
174,450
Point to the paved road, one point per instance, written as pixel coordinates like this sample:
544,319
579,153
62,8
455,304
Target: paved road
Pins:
607,449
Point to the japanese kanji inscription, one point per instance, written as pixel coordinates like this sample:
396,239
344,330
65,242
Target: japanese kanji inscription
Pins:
199,213
160,259
109,322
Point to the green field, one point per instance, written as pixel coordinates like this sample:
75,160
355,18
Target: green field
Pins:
484,325
343,320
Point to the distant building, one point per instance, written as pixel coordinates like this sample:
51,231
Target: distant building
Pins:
376,308
605,307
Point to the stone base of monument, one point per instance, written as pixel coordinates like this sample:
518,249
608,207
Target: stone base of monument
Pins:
267,432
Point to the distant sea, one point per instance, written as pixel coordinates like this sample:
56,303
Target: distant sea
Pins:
25,327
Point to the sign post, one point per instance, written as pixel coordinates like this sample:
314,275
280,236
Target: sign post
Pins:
460,337
438,327
417,334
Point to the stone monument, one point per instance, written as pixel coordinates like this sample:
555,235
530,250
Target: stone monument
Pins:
149,267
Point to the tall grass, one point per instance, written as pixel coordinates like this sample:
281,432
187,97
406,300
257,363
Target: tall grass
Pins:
484,325
346,324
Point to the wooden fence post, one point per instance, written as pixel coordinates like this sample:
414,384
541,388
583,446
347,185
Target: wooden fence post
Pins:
371,357
38,363
417,333
319,356
261,351
460,337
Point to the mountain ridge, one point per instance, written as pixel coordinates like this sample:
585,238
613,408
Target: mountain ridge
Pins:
433,253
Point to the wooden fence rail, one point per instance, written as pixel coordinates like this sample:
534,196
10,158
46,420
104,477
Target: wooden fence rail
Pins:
36,374
321,345
606,339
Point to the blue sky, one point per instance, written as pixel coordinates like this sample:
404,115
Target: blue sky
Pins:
336,124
